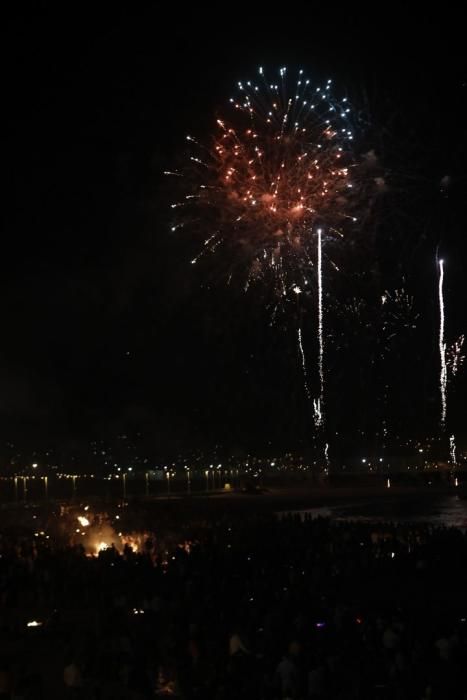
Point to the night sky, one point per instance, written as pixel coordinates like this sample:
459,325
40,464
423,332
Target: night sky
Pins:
106,328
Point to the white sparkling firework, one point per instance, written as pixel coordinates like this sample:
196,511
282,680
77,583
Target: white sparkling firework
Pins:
454,356
400,307
452,450
317,413
320,327
442,346
398,317
302,355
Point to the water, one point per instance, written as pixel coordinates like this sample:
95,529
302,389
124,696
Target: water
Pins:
450,510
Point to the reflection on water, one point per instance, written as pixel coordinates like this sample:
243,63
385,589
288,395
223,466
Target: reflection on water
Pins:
450,511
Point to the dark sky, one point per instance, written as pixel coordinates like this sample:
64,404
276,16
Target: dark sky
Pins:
105,325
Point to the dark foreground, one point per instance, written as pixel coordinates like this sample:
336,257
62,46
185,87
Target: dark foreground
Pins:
232,602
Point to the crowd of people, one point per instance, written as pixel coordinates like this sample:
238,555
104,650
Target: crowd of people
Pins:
256,607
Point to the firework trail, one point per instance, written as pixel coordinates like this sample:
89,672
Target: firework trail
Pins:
320,326
442,346
450,359
302,355
318,402
452,450
318,416
454,362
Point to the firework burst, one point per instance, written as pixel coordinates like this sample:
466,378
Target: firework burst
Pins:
279,166
398,314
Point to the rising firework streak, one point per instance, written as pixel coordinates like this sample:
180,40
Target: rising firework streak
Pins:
442,346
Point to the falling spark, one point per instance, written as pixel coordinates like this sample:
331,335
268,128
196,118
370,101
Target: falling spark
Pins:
442,346
452,450
318,414
302,354
454,357
326,454
398,316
